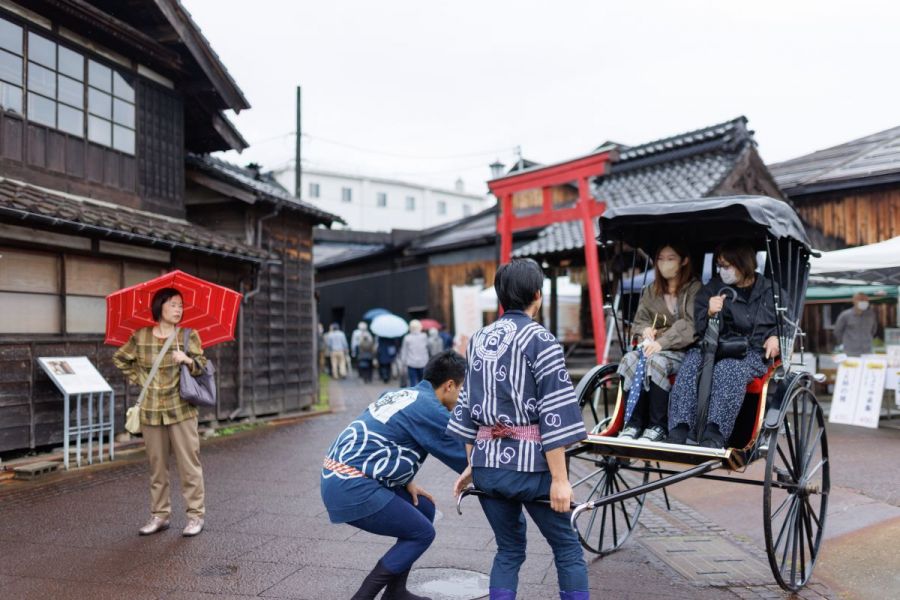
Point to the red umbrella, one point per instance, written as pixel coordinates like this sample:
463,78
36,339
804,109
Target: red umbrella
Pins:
430,324
210,309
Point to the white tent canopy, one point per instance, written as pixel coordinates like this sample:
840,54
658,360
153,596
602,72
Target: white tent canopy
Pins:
567,291
878,262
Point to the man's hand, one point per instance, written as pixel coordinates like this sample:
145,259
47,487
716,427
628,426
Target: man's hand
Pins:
561,495
772,347
649,333
651,348
415,491
715,305
462,482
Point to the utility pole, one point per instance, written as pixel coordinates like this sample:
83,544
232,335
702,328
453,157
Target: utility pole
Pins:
298,169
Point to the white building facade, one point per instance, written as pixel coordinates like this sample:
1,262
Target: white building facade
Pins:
378,204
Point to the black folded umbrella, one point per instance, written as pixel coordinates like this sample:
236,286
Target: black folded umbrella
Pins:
708,348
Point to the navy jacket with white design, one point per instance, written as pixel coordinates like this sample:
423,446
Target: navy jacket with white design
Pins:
388,443
517,376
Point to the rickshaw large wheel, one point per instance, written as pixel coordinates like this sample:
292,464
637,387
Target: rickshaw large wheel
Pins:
597,393
604,530
795,493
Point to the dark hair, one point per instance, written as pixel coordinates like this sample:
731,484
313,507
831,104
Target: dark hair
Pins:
740,255
685,271
517,282
159,298
445,366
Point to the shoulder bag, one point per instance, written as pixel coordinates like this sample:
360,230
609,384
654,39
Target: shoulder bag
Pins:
133,414
199,390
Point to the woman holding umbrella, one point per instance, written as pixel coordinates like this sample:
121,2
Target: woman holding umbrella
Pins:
740,304
168,423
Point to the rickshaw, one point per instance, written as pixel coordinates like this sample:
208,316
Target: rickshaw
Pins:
780,422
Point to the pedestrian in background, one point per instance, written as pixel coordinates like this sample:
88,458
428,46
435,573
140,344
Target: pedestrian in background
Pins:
361,327
320,347
387,354
855,327
337,347
414,352
435,343
168,422
365,355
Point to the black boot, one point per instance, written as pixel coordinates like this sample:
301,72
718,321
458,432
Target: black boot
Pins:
373,583
396,589
712,437
679,434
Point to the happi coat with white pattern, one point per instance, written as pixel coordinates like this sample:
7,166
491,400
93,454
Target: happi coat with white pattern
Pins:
517,376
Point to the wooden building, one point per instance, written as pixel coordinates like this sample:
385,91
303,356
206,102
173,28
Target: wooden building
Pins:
847,195
100,103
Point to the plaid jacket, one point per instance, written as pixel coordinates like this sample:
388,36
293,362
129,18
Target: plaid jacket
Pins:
163,404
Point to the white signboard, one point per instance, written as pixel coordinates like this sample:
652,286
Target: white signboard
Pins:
467,315
871,392
846,391
74,374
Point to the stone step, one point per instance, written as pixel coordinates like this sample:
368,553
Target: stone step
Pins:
36,469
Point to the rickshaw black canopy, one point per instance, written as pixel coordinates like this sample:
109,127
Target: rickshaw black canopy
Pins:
704,221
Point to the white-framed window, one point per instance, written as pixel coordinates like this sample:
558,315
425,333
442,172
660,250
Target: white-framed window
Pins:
410,203
467,210
442,207
313,190
346,194
381,199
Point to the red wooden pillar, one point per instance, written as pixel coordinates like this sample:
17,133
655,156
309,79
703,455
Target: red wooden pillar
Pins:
506,232
592,264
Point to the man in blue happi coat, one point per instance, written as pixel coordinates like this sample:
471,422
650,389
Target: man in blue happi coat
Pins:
367,476
517,413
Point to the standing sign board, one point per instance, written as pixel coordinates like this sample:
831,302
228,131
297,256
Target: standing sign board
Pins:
467,315
846,391
82,385
871,392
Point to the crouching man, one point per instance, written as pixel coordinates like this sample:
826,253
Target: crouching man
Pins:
367,477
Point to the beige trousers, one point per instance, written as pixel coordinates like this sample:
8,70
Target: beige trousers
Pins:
338,365
183,440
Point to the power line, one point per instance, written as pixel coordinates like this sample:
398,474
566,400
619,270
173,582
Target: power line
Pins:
382,152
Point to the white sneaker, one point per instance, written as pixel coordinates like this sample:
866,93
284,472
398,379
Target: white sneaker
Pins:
194,526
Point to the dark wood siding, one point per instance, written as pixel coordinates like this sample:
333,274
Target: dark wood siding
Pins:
160,149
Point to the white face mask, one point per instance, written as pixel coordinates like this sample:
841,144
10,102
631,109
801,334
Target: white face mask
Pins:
668,268
728,275
862,305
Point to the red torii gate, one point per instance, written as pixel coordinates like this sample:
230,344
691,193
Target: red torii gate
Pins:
586,209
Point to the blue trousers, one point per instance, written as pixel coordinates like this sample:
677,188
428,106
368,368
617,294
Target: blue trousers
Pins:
509,491
411,525
415,375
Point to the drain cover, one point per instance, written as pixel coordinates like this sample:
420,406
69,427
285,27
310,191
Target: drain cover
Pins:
449,584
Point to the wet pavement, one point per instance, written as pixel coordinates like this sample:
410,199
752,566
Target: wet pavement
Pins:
267,534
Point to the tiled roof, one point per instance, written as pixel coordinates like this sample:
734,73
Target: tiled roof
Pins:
871,159
30,204
328,254
689,165
264,186
471,230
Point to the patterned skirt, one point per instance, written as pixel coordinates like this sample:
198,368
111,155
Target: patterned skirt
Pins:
659,367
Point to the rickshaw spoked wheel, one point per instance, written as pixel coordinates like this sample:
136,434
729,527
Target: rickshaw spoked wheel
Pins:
604,530
795,493
597,395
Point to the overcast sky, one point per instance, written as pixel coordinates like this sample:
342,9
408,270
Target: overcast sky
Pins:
432,91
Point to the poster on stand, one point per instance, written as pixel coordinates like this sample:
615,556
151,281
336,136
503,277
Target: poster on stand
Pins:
467,315
74,374
871,392
846,391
